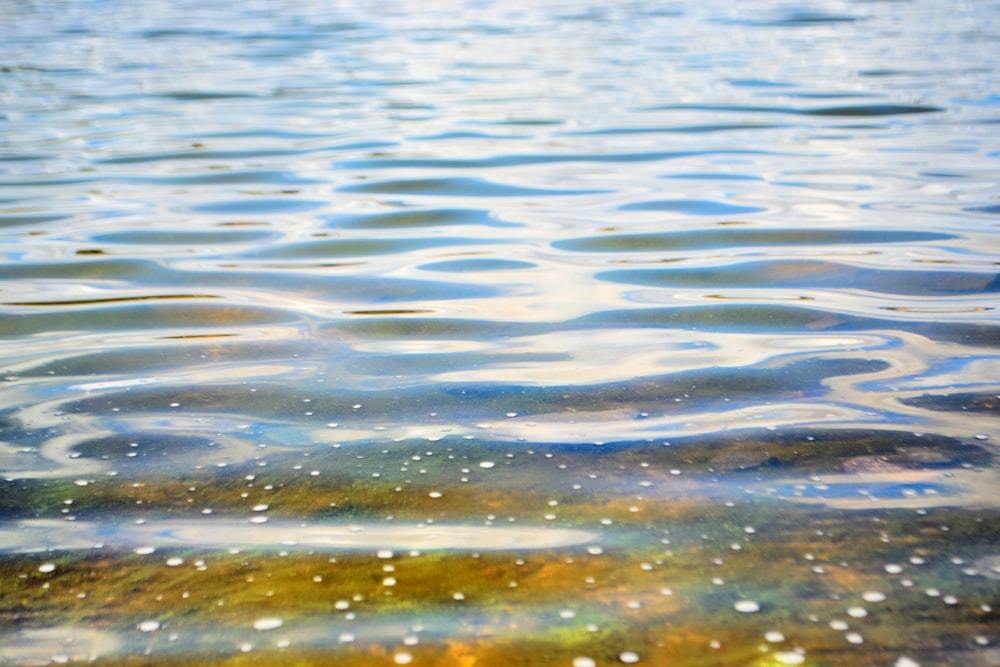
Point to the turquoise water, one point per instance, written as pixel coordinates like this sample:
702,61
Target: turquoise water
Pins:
668,247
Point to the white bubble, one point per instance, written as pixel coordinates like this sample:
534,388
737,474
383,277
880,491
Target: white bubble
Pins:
346,638
906,662
402,658
47,567
747,606
628,657
893,568
854,638
263,507
873,596
857,612
144,551
595,550
774,636
789,658
583,661
486,464
567,613
434,494
149,626
267,623
175,561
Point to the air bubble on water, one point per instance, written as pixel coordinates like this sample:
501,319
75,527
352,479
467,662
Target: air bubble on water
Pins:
595,550
873,596
857,612
567,613
259,519
486,465
906,662
45,568
149,626
583,661
341,605
144,551
628,657
838,625
402,658
893,568
267,623
746,606
346,638
789,658
854,638
175,561
774,636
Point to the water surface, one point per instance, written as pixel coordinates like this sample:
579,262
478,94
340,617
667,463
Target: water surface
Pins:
493,334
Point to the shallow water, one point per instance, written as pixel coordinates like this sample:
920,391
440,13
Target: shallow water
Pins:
485,333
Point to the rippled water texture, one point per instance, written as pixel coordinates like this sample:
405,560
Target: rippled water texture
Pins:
499,333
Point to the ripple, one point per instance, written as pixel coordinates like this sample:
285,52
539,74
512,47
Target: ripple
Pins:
184,237
692,207
475,265
810,274
419,218
221,533
733,238
458,187
852,110
259,206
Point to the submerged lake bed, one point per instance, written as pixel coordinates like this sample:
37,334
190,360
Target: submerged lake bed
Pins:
489,334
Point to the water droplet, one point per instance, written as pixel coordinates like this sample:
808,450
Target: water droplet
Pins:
747,606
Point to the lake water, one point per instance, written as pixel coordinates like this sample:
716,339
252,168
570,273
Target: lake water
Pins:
499,333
